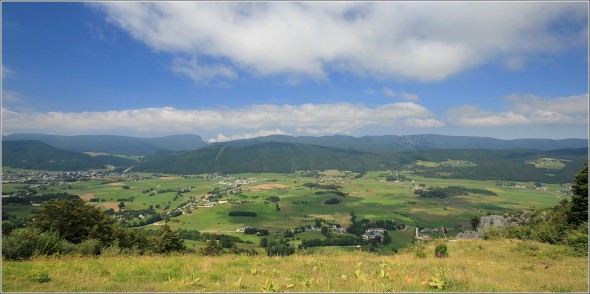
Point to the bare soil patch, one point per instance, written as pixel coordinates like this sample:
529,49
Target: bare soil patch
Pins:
168,178
268,187
113,205
115,184
86,197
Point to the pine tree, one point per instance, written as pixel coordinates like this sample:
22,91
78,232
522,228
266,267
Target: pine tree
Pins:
579,208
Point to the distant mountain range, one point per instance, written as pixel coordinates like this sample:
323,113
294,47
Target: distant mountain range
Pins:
187,154
499,164
392,143
111,144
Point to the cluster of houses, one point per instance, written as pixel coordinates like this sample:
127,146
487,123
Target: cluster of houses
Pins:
374,234
59,178
237,183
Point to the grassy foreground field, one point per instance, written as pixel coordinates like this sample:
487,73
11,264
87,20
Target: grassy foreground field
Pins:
472,266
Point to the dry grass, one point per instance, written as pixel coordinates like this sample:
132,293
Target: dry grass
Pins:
472,266
267,187
87,197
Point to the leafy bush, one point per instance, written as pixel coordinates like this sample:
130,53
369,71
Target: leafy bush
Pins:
577,240
213,248
20,244
48,243
41,277
89,247
440,250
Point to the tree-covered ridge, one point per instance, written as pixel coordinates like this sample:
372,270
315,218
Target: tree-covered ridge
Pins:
112,144
40,156
504,165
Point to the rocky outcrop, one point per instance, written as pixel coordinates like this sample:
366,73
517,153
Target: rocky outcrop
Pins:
495,221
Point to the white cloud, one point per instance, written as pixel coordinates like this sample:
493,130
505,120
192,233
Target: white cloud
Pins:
306,118
6,72
202,73
423,122
389,92
261,133
323,131
525,110
408,40
409,96
11,96
404,95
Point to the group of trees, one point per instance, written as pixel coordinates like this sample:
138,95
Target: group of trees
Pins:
333,240
277,248
28,198
360,227
71,227
242,213
438,192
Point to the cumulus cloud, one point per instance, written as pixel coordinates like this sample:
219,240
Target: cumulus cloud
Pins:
525,110
261,133
307,118
407,40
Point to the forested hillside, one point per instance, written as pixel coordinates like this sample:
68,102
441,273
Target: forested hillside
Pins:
510,164
111,144
38,155
393,143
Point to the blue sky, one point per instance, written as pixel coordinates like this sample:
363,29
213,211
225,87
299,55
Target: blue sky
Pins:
237,70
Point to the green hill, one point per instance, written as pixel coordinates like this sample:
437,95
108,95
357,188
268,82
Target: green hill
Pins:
501,164
37,155
393,143
263,157
110,144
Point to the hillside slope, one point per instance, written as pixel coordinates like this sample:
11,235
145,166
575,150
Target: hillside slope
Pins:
111,144
393,143
263,157
500,164
472,266
30,154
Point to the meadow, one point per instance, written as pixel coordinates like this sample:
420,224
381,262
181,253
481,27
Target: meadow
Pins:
368,195
472,266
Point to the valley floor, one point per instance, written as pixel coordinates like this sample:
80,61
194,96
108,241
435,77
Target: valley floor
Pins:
472,266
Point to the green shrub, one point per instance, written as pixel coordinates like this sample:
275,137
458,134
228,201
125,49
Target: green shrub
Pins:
20,244
68,248
419,250
440,250
48,243
492,233
41,277
577,240
89,247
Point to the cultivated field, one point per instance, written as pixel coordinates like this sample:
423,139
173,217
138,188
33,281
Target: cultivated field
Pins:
368,195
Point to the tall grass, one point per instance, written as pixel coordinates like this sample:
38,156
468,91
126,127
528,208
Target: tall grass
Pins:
471,266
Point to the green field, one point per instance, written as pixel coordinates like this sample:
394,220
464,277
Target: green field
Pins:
370,197
548,163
